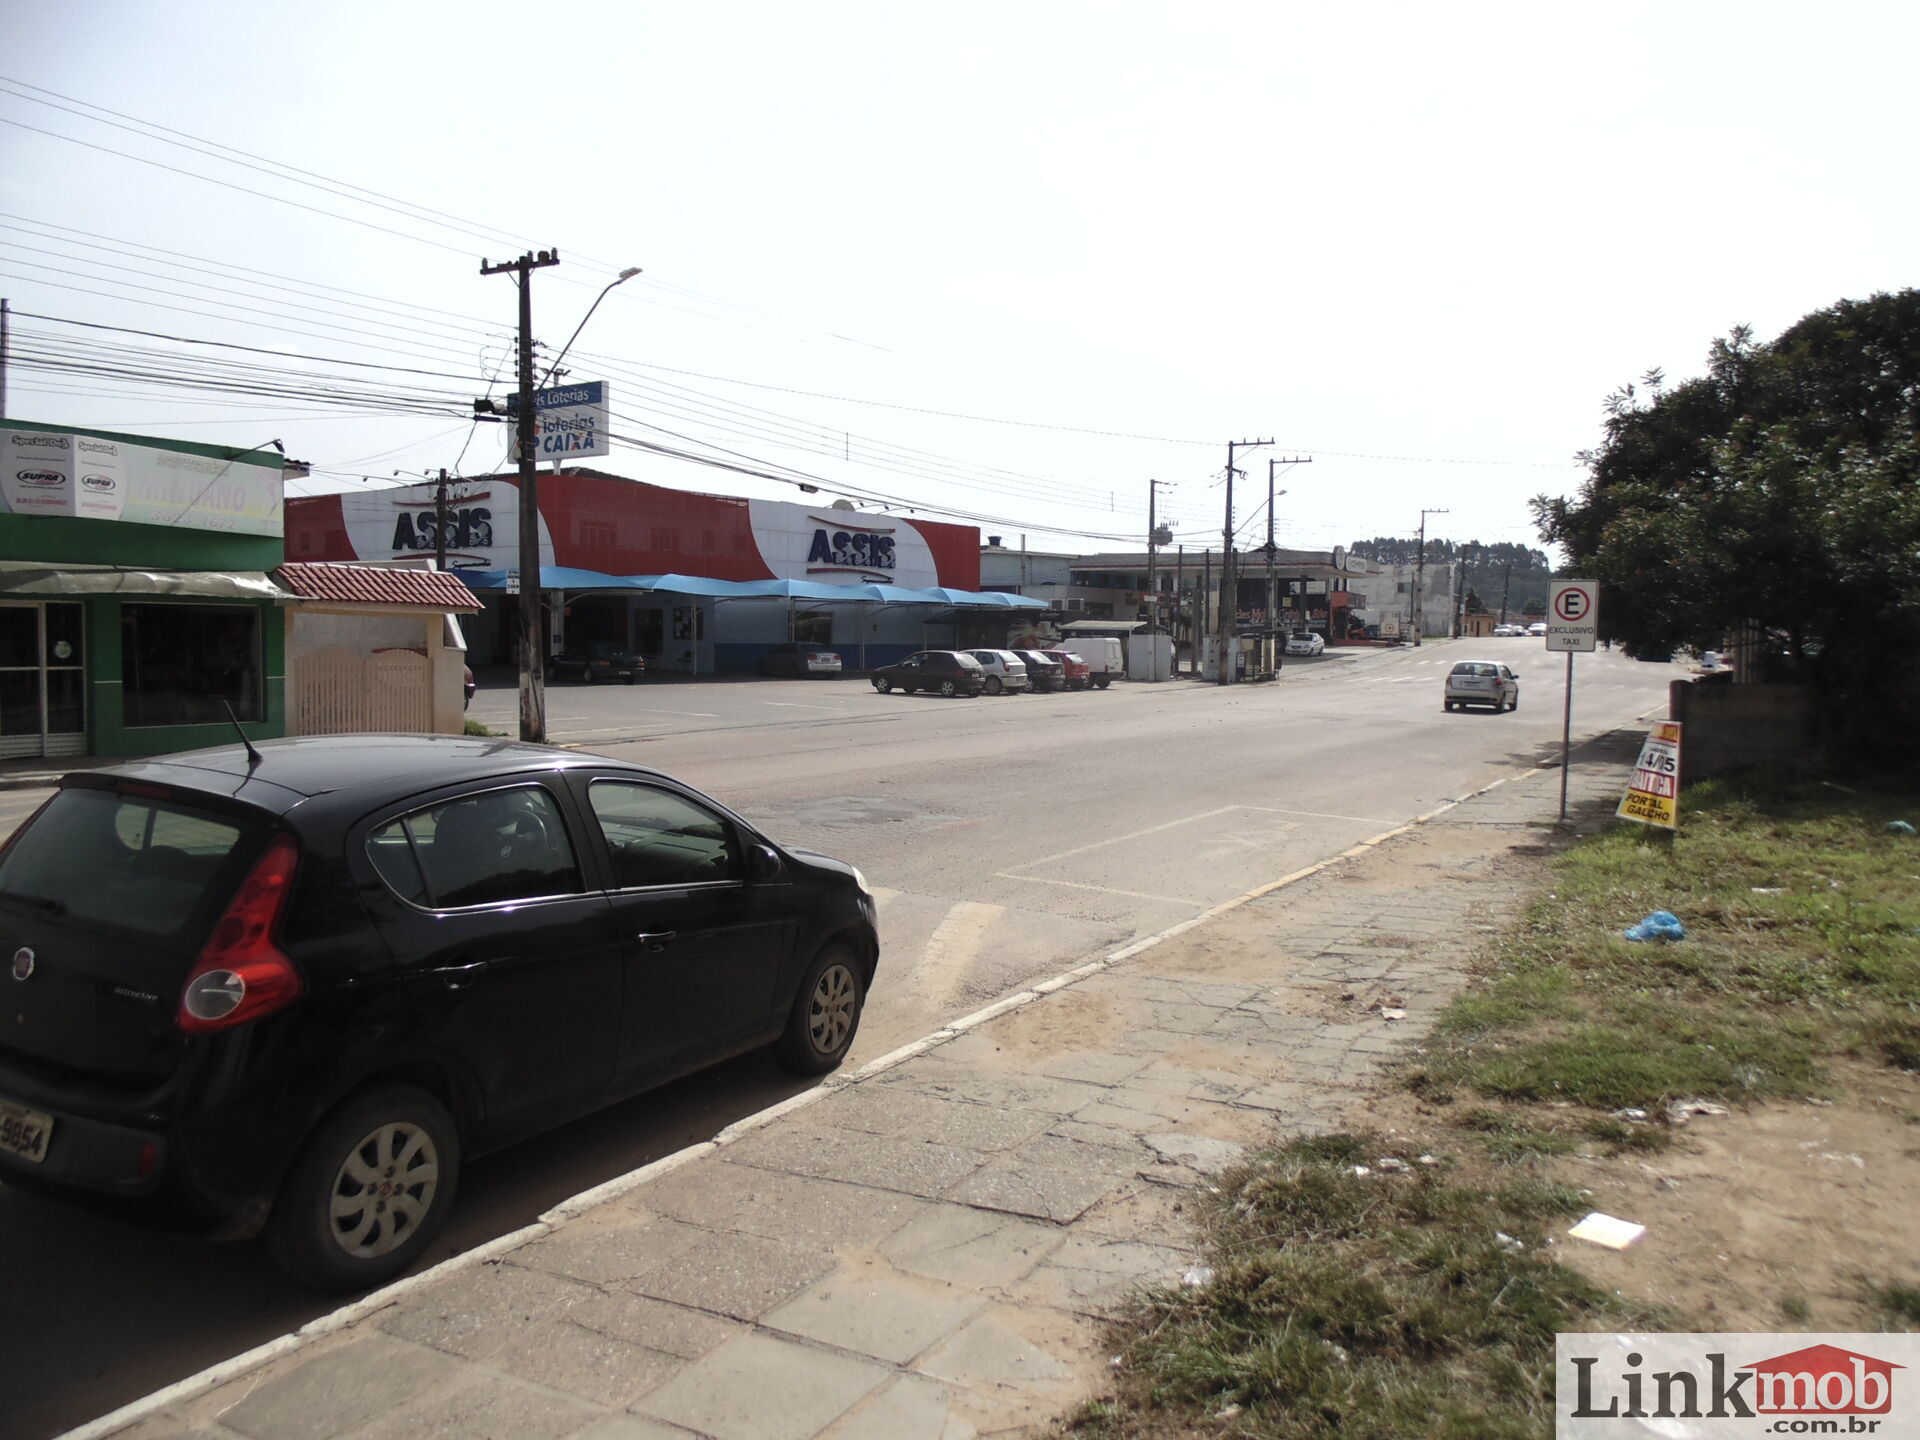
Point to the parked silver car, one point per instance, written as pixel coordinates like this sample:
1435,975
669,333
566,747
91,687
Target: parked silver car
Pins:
1482,682
1006,671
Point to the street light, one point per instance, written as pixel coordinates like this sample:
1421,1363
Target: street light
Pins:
620,279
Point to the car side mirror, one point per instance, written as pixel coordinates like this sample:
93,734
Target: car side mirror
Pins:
763,864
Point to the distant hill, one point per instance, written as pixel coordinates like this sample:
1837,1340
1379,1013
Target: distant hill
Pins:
1518,571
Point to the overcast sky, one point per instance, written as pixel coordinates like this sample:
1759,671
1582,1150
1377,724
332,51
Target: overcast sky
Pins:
1416,243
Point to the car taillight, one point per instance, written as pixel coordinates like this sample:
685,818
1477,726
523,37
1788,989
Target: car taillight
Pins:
241,974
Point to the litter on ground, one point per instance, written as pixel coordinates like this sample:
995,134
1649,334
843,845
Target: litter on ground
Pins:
1608,1230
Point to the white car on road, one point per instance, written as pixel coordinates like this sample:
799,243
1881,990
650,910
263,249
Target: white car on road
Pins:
1306,642
1482,682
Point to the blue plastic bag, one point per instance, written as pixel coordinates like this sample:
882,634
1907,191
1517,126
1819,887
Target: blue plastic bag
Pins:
1660,925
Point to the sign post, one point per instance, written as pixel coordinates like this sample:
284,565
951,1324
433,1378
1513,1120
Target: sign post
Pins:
1573,624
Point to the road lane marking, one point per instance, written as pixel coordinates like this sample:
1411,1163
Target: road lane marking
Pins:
1103,889
949,952
1318,815
1123,839
802,705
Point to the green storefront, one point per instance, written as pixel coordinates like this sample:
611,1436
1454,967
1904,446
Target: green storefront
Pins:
135,604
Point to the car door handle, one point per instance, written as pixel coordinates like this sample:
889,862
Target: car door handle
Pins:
455,976
655,940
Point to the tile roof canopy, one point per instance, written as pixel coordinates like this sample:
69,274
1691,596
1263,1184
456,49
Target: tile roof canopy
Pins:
377,585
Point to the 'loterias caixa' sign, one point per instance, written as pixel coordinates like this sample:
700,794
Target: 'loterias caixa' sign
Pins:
97,477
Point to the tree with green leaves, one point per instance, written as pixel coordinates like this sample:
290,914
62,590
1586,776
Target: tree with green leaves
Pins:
1774,496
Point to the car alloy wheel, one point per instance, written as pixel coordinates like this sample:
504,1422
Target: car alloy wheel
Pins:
994,687
825,1014
949,689
882,684
369,1191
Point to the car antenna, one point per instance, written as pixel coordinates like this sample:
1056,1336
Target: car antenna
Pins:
253,755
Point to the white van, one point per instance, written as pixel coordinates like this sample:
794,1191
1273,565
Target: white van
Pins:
1105,655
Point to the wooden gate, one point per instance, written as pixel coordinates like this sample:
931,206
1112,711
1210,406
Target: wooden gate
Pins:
343,692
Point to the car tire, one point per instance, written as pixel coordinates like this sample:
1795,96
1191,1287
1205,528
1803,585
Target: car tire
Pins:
1103,683
321,1233
631,677
825,1014
589,676
949,689
994,687
1514,704
1449,707
882,684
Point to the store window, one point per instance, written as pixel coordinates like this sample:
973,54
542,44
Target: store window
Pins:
184,664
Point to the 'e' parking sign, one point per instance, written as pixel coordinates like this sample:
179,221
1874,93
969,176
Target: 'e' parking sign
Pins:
1573,615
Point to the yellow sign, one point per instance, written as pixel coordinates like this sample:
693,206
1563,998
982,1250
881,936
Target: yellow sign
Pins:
1653,794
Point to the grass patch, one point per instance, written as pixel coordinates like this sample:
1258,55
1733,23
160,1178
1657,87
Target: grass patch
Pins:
1406,1302
474,727
1803,941
1421,1299
1902,1302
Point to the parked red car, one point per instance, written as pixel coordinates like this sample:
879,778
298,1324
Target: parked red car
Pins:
1079,672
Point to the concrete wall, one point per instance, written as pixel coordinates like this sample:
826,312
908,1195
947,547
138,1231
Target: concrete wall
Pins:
1730,727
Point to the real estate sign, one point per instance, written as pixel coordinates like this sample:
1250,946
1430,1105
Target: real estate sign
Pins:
1653,792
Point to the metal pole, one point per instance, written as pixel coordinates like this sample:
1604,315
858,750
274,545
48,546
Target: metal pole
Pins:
440,522
4,340
1180,602
1566,738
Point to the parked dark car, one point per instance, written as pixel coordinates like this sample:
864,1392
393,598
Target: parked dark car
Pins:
947,671
1045,672
791,657
594,661
296,990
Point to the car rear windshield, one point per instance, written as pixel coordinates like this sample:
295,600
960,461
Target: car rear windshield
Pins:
146,867
1468,667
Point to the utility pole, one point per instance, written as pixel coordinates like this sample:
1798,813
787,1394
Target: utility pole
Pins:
1420,572
1153,580
1229,578
1206,606
1506,584
1273,597
1180,600
440,522
3,359
528,630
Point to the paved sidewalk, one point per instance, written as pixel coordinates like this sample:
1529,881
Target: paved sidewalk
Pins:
925,1248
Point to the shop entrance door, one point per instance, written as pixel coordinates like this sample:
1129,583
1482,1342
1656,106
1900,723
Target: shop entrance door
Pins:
43,669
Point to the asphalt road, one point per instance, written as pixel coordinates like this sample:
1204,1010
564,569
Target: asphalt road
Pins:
1007,839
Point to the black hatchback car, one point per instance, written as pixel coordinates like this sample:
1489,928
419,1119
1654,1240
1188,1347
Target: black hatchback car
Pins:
947,671
293,989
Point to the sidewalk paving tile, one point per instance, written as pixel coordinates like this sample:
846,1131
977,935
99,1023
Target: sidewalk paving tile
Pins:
743,1276
950,1121
1028,1187
965,1246
331,1390
473,1314
995,1351
870,1309
760,1387
485,1406
779,1205
631,1427
908,1408
910,1166
939,1074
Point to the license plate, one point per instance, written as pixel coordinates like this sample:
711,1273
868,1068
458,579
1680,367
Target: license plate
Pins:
24,1132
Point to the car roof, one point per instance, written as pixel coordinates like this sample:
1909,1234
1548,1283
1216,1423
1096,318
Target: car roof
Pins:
364,768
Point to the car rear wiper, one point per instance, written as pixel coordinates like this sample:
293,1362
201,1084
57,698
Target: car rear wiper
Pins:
44,904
